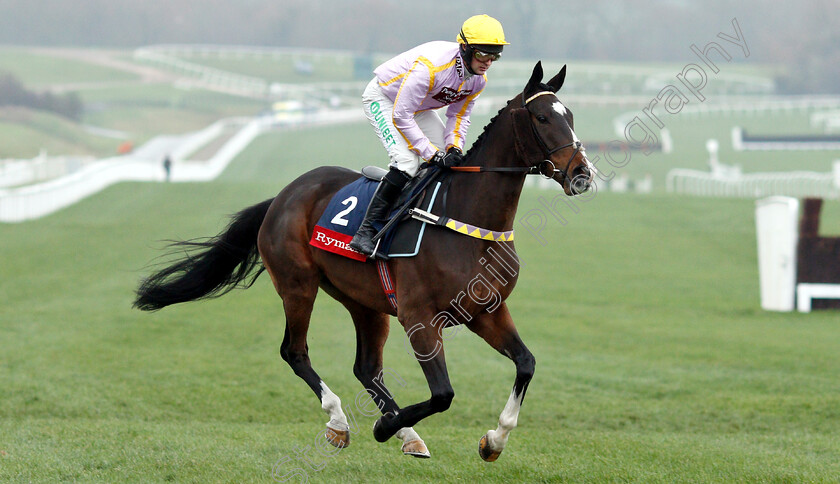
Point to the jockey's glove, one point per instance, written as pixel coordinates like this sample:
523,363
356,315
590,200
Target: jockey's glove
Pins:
452,157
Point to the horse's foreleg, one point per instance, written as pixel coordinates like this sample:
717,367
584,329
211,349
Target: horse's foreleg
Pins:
413,445
498,330
372,329
428,349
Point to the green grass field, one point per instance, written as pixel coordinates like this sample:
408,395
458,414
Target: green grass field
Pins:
39,69
26,132
113,99
654,361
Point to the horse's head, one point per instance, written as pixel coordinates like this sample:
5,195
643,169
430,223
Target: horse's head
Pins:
545,136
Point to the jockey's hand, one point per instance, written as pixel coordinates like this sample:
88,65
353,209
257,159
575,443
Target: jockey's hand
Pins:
453,157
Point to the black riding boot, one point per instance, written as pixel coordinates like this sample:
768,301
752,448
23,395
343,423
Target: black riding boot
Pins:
386,194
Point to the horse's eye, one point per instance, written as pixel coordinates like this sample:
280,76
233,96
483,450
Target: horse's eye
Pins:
542,118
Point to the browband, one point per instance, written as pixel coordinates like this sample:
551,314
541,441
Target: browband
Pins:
541,93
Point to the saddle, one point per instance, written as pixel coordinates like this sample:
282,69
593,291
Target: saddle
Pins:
345,212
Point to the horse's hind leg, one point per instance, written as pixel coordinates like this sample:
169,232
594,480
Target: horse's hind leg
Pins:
298,295
371,333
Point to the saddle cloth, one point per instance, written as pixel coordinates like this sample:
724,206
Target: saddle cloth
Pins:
345,212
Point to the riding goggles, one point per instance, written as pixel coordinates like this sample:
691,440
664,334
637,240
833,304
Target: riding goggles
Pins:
485,56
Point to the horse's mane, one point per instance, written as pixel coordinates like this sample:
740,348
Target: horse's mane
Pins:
478,141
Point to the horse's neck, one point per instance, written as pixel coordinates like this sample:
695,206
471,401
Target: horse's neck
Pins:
488,200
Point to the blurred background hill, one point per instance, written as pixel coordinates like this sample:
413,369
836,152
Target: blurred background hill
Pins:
96,79
801,37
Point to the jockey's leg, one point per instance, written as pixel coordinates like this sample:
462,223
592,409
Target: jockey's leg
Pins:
386,194
404,164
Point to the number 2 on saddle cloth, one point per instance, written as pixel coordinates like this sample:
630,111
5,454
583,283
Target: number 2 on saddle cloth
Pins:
345,213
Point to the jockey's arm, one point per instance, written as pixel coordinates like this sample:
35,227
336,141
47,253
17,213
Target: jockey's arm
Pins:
458,121
413,90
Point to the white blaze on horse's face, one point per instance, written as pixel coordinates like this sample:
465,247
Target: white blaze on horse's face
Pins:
561,110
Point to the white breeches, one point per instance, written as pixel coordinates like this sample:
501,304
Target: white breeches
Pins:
379,110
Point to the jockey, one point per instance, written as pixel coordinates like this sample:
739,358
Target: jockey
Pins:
400,103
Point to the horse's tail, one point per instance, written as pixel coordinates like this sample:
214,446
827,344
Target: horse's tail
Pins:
208,267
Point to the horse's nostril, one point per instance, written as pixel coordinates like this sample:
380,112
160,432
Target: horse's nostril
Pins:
580,184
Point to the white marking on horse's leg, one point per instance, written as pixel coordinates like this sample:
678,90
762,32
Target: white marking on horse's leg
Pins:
407,434
507,422
413,445
331,404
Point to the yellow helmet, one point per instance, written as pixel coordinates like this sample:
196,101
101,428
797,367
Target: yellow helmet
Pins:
482,30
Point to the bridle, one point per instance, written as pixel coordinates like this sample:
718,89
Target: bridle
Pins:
546,167
548,152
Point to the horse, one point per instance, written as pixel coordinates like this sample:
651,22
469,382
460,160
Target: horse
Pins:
453,279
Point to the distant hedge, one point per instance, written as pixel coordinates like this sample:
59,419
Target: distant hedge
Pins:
13,93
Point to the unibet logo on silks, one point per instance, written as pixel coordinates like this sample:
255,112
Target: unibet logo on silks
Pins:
379,117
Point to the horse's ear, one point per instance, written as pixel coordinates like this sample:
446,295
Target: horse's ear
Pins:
536,79
556,82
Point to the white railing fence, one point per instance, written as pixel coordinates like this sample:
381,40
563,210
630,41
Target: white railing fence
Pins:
34,201
206,77
755,185
41,168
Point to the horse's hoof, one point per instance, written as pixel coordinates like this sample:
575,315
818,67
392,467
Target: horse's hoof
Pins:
383,429
416,448
338,438
487,453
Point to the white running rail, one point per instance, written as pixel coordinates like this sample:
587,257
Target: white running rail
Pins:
754,185
34,201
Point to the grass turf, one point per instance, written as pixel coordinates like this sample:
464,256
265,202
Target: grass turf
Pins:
654,361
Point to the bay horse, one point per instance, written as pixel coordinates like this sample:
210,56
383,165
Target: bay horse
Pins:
533,133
